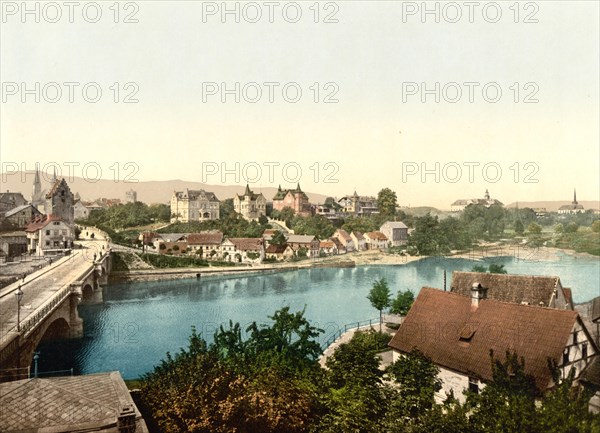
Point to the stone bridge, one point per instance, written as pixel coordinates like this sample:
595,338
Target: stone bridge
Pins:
48,308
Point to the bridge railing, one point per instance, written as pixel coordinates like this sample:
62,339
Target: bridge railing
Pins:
33,319
347,327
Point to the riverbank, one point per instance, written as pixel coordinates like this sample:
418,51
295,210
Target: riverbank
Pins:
362,258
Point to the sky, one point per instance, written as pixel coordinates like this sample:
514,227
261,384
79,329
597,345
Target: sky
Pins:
435,100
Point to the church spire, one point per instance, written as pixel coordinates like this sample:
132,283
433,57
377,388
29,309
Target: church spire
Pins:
37,186
247,192
574,196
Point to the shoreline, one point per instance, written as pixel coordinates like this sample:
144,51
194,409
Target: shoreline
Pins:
353,259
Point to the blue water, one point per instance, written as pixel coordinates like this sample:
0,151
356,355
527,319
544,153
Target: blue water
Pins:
139,322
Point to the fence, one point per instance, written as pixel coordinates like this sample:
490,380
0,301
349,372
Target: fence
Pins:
347,327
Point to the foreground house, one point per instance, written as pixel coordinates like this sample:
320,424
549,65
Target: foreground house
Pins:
458,332
345,239
279,252
243,250
308,242
327,248
543,291
96,402
359,241
207,245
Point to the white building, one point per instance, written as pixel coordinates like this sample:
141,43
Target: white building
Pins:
396,232
194,205
49,235
250,205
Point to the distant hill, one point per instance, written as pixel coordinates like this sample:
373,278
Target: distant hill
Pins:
147,192
552,206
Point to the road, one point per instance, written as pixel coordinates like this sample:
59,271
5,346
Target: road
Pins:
40,286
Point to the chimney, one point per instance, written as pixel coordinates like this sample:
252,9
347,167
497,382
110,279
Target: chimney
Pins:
478,292
126,420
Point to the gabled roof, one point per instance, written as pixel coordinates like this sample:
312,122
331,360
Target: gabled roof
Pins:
394,225
197,194
530,289
205,238
172,237
376,236
358,235
19,209
276,249
250,194
326,244
344,235
54,188
247,244
337,243
11,197
280,194
445,327
41,222
299,239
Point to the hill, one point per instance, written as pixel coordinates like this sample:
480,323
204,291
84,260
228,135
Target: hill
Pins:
147,192
552,206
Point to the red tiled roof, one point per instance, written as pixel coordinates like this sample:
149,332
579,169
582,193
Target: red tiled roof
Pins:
437,320
247,244
41,222
205,238
276,249
508,288
326,244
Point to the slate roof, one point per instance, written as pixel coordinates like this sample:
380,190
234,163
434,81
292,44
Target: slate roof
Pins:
358,235
344,235
205,238
445,327
281,193
64,404
508,288
19,209
197,194
248,193
395,225
299,239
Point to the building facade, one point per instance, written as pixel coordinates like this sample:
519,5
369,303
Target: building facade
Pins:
59,201
194,205
396,232
251,206
49,235
130,196
295,199
487,201
572,208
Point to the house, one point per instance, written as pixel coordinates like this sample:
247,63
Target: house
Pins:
459,332
358,205
13,244
250,205
59,201
327,248
22,215
279,252
97,402
10,200
206,244
572,208
172,247
396,232
242,250
295,199
545,291
376,241
460,205
194,205
345,239
359,241
341,249
330,209
308,242
49,234
81,210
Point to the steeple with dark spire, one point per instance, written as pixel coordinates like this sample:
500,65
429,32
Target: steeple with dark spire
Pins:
247,192
574,196
37,185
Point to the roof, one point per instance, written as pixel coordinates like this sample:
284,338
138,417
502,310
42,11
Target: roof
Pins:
172,237
276,249
196,194
247,244
72,403
344,235
358,235
11,197
592,373
437,321
326,244
337,243
19,209
570,207
394,225
205,238
40,223
508,288
299,239
281,193
18,233
54,188
250,194
376,236
595,310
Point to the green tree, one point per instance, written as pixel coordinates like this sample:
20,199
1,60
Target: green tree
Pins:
519,228
426,235
534,229
278,238
379,296
596,226
387,202
496,268
402,303
478,268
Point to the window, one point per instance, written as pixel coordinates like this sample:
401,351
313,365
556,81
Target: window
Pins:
474,385
566,356
575,337
47,232
584,352
47,243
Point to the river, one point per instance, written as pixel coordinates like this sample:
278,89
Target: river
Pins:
138,322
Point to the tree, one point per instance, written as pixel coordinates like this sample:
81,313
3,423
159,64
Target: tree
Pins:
478,268
402,303
496,268
380,298
519,228
263,220
534,229
596,226
426,235
278,238
387,202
